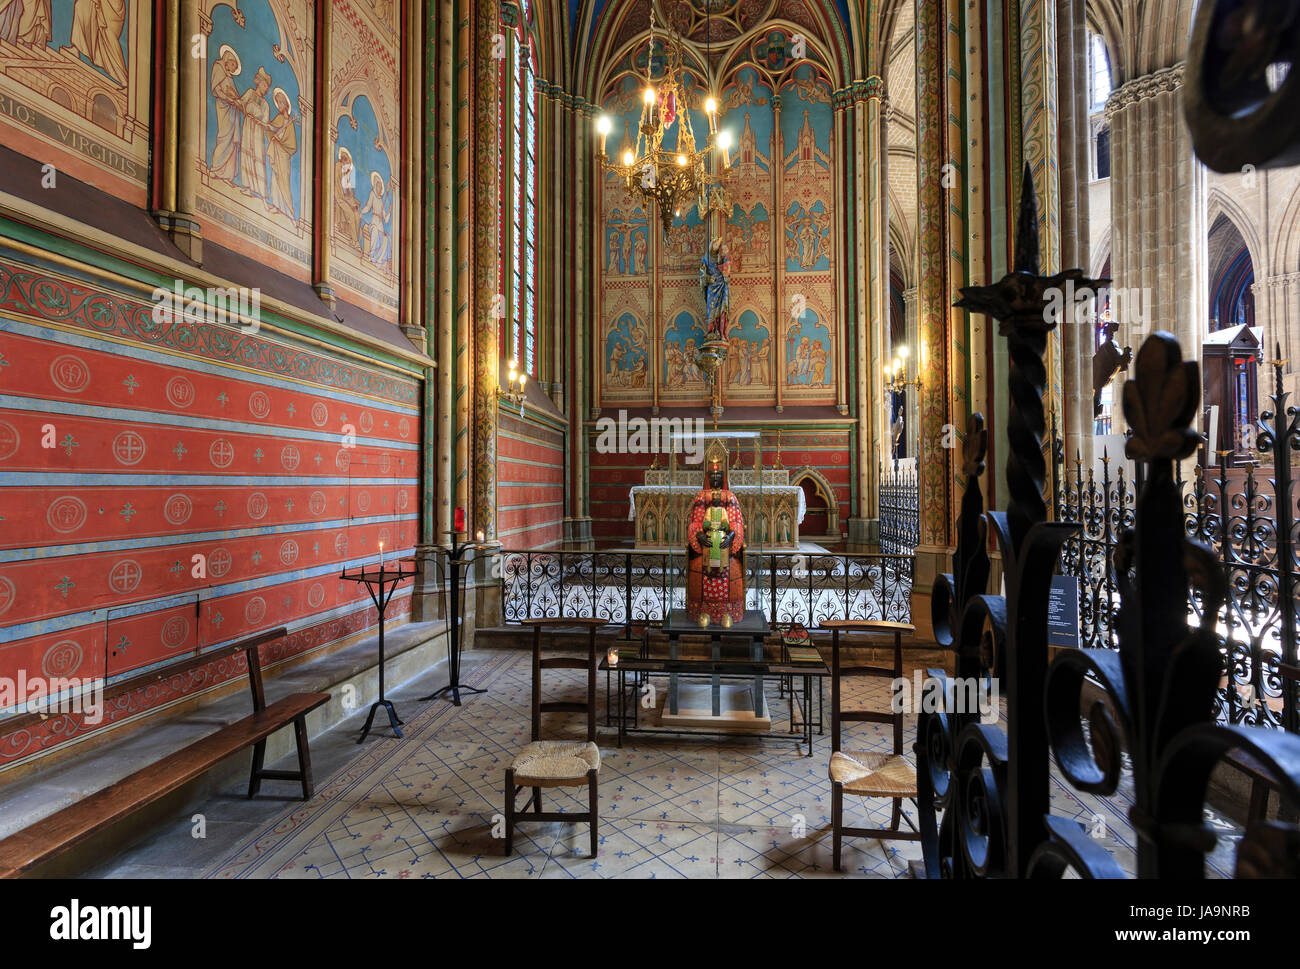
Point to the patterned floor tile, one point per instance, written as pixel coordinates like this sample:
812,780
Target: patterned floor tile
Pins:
430,805
631,848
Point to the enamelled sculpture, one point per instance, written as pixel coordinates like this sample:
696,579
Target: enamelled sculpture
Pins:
715,583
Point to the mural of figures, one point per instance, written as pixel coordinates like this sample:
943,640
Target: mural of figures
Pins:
224,162
282,146
255,164
74,91
626,230
778,223
25,23
626,353
252,137
807,238
97,28
364,119
684,336
749,232
378,216
749,346
808,350
363,228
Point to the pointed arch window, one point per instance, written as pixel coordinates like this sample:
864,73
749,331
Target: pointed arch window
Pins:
518,180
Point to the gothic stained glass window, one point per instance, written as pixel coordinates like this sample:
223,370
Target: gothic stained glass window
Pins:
519,198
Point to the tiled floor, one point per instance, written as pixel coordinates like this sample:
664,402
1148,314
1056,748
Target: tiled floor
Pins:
426,806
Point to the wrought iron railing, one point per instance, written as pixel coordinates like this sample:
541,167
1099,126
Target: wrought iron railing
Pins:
631,588
1253,537
900,517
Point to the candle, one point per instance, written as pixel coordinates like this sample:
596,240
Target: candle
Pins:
612,656
381,556
479,536
458,520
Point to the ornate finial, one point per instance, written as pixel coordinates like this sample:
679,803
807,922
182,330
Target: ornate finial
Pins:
1027,247
1161,401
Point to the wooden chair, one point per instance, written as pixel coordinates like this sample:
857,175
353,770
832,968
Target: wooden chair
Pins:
868,773
556,763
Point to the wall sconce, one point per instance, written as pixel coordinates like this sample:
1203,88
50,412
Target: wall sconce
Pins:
896,375
724,145
603,126
514,392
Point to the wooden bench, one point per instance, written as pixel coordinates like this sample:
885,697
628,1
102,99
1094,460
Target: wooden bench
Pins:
51,836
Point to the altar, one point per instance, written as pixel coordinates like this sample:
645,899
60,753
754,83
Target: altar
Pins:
773,507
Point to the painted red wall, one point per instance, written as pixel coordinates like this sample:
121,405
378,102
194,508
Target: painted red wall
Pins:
530,482
174,442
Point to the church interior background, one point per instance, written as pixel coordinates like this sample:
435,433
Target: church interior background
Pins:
292,290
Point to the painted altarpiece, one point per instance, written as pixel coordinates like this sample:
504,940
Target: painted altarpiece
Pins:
782,322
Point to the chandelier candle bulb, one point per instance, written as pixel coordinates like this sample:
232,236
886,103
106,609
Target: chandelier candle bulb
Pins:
603,127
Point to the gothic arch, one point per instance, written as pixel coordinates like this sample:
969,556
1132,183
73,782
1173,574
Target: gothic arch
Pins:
621,29
1100,253
1219,203
827,493
1142,36
1286,247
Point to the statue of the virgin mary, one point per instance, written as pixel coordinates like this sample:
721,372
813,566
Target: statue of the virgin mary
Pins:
715,582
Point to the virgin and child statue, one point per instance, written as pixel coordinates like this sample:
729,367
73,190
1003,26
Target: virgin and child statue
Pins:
715,267
715,582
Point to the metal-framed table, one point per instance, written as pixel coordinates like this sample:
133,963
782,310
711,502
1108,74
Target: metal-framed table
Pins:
753,626
643,666
381,583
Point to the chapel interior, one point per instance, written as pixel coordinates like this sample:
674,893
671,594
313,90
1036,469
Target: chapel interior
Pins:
569,439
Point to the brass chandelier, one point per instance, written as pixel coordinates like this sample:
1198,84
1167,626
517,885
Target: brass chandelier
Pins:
670,178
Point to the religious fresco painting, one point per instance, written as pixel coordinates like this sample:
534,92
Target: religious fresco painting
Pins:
807,353
255,170
780,201
627,360
749,353
684,335
748,113
626,263
627,236
807,256
74,89
364,175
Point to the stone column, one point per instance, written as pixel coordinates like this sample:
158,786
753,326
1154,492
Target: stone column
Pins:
1276,301
912,404
933,302
1159,236
584,179
1076,332
873,266
486,204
